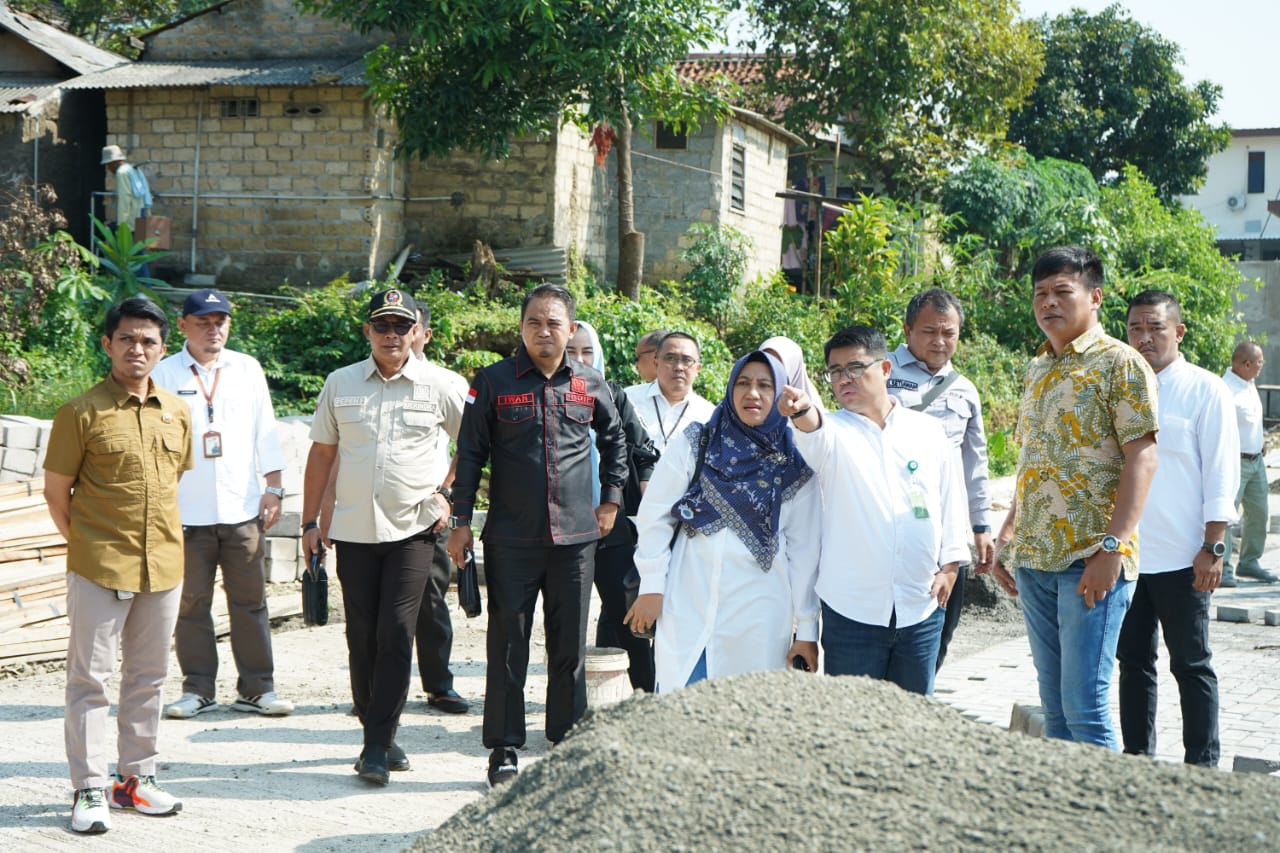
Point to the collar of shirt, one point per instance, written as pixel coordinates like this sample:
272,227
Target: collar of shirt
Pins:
1235,379
188,361
905,358
524,363
1082,343
122,395
414,370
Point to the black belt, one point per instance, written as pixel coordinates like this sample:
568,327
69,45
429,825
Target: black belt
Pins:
1250,456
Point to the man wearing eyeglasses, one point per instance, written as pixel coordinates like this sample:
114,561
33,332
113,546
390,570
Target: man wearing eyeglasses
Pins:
669,403
381,419
894,526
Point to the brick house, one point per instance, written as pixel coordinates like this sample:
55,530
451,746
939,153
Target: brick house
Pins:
251,121
48,135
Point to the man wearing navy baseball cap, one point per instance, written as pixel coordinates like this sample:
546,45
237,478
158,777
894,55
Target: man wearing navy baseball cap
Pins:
225,510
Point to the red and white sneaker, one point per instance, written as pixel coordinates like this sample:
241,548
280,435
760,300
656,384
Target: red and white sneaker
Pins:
142,794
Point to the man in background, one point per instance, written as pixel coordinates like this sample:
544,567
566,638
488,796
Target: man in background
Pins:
225,510
1246,364
669,403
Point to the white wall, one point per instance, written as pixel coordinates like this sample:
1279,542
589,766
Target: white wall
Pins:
1227,177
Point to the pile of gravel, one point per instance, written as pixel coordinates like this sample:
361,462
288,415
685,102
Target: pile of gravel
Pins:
787,761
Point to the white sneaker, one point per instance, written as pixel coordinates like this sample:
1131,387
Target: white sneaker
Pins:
268,705
188,706
143,795
89,812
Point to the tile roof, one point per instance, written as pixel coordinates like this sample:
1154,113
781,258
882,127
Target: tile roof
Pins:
339,71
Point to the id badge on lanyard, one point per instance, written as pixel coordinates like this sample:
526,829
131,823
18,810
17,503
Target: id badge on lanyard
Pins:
212,439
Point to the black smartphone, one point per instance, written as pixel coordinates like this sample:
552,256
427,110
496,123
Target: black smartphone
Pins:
798,662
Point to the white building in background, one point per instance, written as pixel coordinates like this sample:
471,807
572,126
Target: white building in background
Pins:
1241,195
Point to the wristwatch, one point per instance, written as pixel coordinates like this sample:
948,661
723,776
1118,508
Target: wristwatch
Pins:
1112,545
448,493
455,522
275,490
1217,549
982,528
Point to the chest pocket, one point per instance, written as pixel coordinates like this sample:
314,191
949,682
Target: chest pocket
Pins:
517,413
115,456
580,413
171,446
421,419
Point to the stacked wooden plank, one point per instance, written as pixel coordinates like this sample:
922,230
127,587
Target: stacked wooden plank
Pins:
33,581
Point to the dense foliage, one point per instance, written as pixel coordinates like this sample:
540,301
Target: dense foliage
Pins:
1111,94
914,85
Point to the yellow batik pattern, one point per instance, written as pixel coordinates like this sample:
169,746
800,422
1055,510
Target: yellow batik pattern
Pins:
1078,410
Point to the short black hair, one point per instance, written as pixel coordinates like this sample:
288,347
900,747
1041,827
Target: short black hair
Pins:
140,308
424,313
673,336
1074,259
866,338
551,291
1157,297
936,298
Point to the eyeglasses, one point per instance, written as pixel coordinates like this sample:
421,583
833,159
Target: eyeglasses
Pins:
383,326
852,370
642,353
675,360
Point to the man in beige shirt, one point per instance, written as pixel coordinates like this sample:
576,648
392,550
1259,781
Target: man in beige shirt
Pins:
380,420
111,482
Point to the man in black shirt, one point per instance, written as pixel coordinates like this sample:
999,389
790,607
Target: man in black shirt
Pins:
530,416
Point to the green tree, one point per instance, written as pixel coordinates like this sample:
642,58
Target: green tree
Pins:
914,84
1111,94
110,23
477,75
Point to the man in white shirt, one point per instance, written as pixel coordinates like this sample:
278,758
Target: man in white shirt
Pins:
669,403
894,522
1182,530
924,380
224,509
1246,364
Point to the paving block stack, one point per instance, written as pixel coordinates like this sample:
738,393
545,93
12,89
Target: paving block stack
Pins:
22,447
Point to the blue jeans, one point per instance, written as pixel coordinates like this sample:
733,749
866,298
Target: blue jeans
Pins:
906,656
1074,649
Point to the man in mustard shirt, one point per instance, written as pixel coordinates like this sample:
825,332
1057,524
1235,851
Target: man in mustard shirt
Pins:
1087,452
115,455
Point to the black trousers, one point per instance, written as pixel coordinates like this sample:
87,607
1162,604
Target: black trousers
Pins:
381,591
952,616
434,635
1170,599
514,575
613,562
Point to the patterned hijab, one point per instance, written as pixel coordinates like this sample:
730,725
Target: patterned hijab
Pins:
747,473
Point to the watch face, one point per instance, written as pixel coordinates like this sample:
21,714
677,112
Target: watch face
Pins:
1110,543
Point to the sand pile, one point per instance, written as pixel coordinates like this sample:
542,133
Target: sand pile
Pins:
786,761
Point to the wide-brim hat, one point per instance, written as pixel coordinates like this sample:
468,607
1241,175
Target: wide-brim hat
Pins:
393,303
111,154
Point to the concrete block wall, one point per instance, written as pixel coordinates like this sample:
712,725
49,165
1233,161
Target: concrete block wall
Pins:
280,196
583,196
258,29
673,192
508,203
23,443
765,176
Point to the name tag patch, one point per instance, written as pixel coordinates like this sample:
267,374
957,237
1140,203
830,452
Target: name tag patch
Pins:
584,399
903,383
348,401
526,399
185,391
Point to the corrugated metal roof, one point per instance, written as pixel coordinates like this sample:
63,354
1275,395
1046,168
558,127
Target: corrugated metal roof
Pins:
72,51
336,71
17,95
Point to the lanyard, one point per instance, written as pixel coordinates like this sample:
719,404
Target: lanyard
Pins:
666,436
208,395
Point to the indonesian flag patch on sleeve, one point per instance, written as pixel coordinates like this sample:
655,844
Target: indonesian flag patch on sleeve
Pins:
471,396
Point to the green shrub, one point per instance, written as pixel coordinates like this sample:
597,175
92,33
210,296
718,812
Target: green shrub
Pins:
719,255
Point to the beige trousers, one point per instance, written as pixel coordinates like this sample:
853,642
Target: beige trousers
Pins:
101,626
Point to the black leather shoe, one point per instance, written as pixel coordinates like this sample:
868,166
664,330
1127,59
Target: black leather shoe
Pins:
396,759
372,765
449,702
502,766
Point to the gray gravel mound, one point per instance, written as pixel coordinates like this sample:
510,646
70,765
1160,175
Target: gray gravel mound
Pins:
787,761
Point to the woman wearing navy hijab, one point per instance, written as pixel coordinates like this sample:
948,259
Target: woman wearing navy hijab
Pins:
737,584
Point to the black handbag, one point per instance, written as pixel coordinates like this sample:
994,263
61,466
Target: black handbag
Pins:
631,582
469,586
315,591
